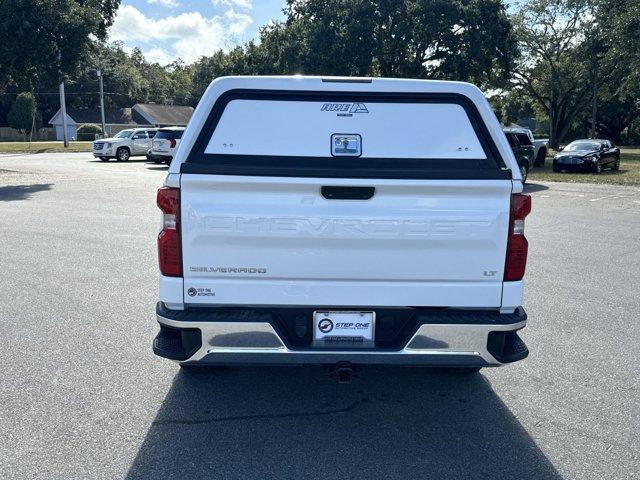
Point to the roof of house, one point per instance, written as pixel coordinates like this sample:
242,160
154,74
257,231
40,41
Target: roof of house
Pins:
157,114
139,114
112,116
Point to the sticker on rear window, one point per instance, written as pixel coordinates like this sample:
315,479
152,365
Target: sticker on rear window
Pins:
346,145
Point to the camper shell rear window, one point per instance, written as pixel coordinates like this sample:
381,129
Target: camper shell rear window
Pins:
281,133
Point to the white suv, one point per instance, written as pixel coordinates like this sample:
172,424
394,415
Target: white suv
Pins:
124,145
342,221
164,144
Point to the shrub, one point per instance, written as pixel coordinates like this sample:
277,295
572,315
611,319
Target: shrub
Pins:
89,131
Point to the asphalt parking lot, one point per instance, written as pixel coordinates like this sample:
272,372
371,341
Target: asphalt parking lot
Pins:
83,396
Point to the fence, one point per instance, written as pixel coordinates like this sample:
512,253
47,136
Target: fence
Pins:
8,134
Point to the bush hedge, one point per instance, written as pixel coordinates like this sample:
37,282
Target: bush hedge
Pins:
89,131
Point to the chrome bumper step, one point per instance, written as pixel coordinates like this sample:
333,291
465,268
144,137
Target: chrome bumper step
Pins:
247,337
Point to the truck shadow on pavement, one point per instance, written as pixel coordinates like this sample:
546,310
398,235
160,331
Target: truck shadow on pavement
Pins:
297,422
11,193
534,187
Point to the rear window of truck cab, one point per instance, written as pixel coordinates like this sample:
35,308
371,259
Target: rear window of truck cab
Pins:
523,139
340,134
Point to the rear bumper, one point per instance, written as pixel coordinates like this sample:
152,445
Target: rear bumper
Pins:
156,157
258,336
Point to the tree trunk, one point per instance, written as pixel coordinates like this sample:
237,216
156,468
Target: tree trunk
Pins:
554,141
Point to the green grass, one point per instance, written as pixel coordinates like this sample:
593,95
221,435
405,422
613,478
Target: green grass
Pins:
629,173
43,147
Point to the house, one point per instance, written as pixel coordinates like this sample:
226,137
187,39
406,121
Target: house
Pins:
116,119
162,115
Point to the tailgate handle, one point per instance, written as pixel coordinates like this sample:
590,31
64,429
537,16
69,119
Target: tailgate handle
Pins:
347,193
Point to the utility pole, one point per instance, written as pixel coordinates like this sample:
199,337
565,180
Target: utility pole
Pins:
63,112
104,127
594,104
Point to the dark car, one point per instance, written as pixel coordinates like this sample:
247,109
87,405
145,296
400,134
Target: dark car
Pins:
523,150
587,156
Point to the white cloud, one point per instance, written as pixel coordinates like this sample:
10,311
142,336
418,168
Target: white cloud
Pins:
158,55
165,3
232,3
188,35
237,22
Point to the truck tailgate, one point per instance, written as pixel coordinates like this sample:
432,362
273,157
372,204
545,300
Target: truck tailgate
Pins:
277,240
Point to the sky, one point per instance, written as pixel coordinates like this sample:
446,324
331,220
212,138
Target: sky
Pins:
166,30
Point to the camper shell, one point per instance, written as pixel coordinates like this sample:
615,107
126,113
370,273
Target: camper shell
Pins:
342,221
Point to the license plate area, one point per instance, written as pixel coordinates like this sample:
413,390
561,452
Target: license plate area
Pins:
343,327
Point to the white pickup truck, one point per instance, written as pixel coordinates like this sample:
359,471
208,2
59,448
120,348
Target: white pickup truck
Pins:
342,221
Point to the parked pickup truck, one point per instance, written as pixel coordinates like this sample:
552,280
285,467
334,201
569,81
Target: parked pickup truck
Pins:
523,151
341,222
540,146
124,145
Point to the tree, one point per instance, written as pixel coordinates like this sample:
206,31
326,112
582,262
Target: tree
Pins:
206,69
617,106
24,115
556,67
454,39
512,106
615,116
620,20
619,91
43,40
181,76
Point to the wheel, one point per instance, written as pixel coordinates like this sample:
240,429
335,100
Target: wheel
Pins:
104,159
616,165
598,167
122,154
157,161
556,169
524,170
540,158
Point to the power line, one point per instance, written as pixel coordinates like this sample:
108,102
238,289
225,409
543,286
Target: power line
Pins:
68,93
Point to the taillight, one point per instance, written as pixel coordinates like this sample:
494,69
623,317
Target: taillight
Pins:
172,143
169,248
517,245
